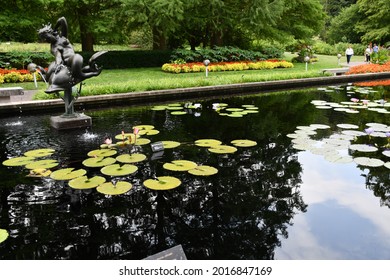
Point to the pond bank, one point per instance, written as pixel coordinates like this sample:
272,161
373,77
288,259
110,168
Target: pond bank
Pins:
25,105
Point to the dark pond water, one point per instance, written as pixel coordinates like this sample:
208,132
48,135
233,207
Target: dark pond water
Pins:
276,200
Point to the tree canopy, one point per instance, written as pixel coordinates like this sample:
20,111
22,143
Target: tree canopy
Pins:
207,23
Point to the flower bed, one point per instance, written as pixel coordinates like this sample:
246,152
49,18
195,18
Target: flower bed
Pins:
225,66
373,83
16,76
369,68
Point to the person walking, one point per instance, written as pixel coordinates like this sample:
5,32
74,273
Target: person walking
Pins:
367,53
349,53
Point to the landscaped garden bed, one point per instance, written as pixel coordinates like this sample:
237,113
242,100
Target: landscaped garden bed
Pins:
225,66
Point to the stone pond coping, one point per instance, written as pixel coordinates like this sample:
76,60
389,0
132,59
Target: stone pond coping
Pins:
144,97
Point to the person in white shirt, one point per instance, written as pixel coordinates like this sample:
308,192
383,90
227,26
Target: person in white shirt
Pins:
349,53
367,53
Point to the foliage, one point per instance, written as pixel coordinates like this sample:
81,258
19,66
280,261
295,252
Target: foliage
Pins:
375,23
225,66
381,57
20,59
220,54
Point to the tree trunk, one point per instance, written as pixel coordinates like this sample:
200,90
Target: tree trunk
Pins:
87,41
159,41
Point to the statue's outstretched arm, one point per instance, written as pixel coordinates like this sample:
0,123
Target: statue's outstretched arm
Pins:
61,22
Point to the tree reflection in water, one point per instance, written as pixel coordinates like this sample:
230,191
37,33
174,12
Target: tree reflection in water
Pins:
240,213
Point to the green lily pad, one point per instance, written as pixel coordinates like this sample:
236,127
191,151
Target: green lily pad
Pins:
243,143
162,183
203,170
133,158
42,164
102,153
118,170
235,115
386,153
179,113
144,127
159,108
170,144
39,172
125,136
67,174
207,142
142,141
180,165
337,158
39,153
109,188
149,132
234,109
175,108
3,235
366,161
387,164
83,183
98,161
222,149
18,161
319,126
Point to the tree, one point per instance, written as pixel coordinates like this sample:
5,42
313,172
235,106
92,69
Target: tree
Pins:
19,21
375,23
342,27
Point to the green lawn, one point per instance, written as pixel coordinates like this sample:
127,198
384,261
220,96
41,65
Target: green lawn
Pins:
145,79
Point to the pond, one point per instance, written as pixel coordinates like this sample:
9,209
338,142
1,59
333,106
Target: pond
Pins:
310,181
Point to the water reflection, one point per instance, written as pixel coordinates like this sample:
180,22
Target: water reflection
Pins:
263,197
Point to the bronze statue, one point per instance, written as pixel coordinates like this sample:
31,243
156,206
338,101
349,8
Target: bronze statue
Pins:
67,70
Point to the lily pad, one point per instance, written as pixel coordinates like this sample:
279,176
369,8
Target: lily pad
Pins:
133,158
83,183
45,164
142,141
320,126
125,136
207,142
39,153
18,161
3,235
67,174
99,161
371,162
162,183
222,149
118,170
149,132
180,165
337,158
144,127
387,164
386,153
170,144
203,170
179,113
159,108
102,153
363,148
39,172
109,188
347,126
243,143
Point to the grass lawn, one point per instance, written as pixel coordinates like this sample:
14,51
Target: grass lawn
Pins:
145,79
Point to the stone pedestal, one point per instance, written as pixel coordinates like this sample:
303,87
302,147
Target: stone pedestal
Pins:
70,122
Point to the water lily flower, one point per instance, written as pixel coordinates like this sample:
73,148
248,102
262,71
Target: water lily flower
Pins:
369,130
197,105
135,130
365,101
108,141
353,99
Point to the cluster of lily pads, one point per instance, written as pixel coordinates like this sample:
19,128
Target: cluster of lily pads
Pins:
339,146
222,109
355,104
110,162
